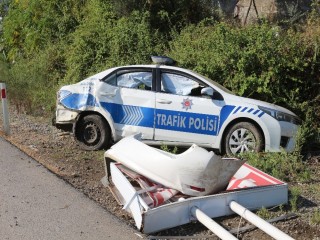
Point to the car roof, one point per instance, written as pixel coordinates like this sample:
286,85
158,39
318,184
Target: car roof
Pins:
107,71
165,67
155,66
190,72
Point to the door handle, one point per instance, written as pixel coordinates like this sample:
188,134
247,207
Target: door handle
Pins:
164,101
108,94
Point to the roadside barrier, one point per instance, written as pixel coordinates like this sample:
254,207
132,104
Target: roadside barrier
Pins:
6,126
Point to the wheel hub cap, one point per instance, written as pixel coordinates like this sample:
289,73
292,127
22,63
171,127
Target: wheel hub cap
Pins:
242,140
91,133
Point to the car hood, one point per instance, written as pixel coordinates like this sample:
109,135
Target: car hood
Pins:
261,103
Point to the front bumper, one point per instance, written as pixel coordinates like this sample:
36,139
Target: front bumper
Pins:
279,135
288,136
64,119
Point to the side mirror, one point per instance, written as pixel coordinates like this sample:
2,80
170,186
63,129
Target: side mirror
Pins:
207,91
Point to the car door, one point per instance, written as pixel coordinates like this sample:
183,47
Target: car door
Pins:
129,98
182,113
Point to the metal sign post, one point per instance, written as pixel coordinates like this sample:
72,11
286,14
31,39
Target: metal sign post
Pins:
211,224
5,111
259,222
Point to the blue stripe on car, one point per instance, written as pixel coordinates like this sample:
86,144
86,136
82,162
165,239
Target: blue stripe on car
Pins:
238,108
130,115
76,101
225,112
244,109
158,118
186,122
163,119
251,110
255,112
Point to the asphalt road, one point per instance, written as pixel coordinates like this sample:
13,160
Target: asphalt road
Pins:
36,204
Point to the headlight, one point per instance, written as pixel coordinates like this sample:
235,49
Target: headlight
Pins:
281,116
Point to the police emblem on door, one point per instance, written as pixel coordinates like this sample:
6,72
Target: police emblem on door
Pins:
186,104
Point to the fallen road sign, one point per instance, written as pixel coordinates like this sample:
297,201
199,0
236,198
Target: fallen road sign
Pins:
175,213
156,206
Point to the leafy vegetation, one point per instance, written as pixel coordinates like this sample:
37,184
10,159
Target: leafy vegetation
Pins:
293,199
264,213
285,166
174,150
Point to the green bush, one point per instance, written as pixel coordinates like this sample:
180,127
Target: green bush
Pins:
132,40
30,25
32,83
167,14
262,61
89,45
285,166
101,41
4,69
293,198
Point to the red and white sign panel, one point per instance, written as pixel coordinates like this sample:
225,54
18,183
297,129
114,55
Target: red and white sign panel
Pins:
248,176
155,197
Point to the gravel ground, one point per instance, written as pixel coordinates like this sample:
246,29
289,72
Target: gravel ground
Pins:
83,170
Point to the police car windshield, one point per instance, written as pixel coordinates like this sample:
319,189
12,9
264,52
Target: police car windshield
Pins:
215,83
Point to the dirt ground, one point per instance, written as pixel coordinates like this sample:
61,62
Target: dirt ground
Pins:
84,170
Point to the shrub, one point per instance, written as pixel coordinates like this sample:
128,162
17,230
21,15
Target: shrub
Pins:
90,42
283,165
257,61
132,41
293,198
101,42
32,83
32,24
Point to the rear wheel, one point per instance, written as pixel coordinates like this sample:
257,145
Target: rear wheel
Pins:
92,132
243,137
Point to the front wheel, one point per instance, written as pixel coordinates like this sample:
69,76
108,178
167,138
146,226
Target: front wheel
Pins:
92,132
243,137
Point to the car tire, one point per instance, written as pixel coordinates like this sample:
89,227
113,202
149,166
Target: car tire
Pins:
92,132
243,137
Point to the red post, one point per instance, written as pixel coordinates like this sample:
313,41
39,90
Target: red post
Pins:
3,93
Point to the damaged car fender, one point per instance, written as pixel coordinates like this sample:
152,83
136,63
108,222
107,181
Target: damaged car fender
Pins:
79,108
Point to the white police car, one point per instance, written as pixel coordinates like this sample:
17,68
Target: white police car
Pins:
172,106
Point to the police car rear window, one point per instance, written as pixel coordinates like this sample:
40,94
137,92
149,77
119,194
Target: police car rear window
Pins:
130,79
134,79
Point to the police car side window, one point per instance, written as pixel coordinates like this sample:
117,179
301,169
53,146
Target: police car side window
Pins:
177,84
112,80
137,80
